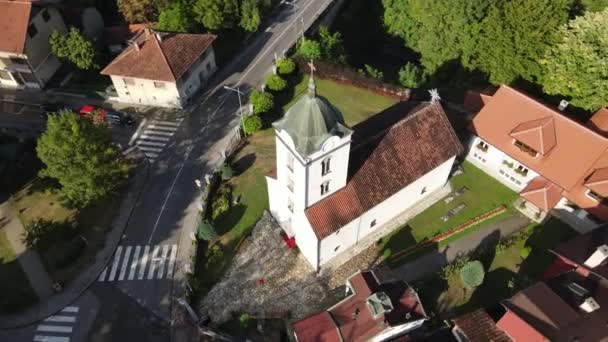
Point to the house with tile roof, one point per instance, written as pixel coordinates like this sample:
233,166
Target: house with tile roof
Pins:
337,187
556,164
26,60
373,310
162,69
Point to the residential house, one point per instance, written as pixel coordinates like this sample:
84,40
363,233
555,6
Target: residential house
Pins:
557,165
117,38
162,69
372,311
26,60
335,187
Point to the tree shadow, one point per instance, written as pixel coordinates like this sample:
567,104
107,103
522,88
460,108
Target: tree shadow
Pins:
244,163
497,285
396,242
227,221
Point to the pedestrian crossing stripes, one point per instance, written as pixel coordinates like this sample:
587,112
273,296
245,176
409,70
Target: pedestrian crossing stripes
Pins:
57,328
155,137
140,263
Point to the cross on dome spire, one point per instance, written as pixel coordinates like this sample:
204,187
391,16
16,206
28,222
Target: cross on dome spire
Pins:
311,81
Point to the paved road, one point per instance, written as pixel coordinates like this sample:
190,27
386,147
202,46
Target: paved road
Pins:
132,296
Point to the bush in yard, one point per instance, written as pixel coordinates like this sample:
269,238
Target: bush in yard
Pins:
262,101
227,171
75,47
275,82
373,72
525,252
221,203
285,66
206,231
411,75
452,269
245,320
252,124
309,49
472,274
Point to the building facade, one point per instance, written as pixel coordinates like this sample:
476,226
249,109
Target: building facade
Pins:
162,69
26,60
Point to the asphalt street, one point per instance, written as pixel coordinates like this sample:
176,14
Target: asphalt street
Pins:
132,299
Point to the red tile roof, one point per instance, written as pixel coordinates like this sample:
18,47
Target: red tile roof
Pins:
317,328
166,60
542,193
518,329
538,134
384,160
14,21
598,182
120,34
475,100
599,121
478,326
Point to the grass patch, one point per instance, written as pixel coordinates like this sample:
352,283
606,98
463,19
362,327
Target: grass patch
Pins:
506,272
65,258
256,158
14,285
478,200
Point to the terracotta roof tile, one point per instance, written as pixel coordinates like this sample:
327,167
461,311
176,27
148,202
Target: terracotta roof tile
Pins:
14,21
598,182
599,121
121,34
478,326
167,60
317,328
384,161
538,134
542,193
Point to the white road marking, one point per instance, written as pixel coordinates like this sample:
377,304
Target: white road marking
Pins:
164,127
151,155
125,262
153,137
129,150
61,319
102,276
153,262
54,328
149,131
153,149
115,263
42,338
170,123
70,309
172,257
134,136
150,143
134,262
161,263
144,260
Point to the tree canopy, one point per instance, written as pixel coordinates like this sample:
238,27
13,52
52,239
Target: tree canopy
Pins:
216,15
251,16
81,157
141,11
309,49
576,66
74,47
177,17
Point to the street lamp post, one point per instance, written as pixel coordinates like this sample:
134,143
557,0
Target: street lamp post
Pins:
239,93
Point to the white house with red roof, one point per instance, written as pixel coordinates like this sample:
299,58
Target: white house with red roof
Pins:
335,187
26,60
556,164
162,69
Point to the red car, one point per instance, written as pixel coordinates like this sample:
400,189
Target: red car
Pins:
92,113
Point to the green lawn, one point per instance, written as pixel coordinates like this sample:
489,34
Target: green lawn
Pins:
506,272
15,289
484,194
257,158
66,257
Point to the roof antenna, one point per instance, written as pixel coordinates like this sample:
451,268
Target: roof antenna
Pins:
434,95
311,81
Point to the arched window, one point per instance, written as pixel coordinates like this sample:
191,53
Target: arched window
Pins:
325,166
324,188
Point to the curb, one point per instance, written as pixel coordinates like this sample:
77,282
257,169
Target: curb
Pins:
87,278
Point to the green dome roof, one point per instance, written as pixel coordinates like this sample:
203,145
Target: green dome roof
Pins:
311,121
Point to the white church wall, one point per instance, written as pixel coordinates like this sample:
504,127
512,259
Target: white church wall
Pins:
338,171
354,231
306,239
296,175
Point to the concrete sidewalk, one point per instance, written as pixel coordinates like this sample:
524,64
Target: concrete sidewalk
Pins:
29,259
434,261
88,276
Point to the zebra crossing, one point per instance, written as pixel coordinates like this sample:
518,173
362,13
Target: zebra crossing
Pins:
57,328
141,263
155,137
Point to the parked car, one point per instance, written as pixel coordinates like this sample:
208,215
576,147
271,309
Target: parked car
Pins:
118,118
95,114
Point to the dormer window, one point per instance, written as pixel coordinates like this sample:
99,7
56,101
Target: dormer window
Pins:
325,166
525,148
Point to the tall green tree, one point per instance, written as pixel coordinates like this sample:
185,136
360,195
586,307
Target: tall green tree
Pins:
81,157
217,14
309,49
141,11
332,47
515,36
594,5
577,66
74,47
251,16
177,17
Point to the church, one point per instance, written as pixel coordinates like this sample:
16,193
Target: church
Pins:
334,185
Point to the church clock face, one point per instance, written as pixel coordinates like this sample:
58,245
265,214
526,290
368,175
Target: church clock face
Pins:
330,143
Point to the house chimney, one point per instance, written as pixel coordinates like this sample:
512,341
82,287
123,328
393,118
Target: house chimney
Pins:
562,105
158,37
590,305
598,257
136,45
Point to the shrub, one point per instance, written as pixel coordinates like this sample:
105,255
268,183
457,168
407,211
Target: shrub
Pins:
285,66
309,49
227,171
206,231
275,82
262,101
472,274
525,252
374,72
252,124
452,269
42,234
411,75
245,320
221,203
